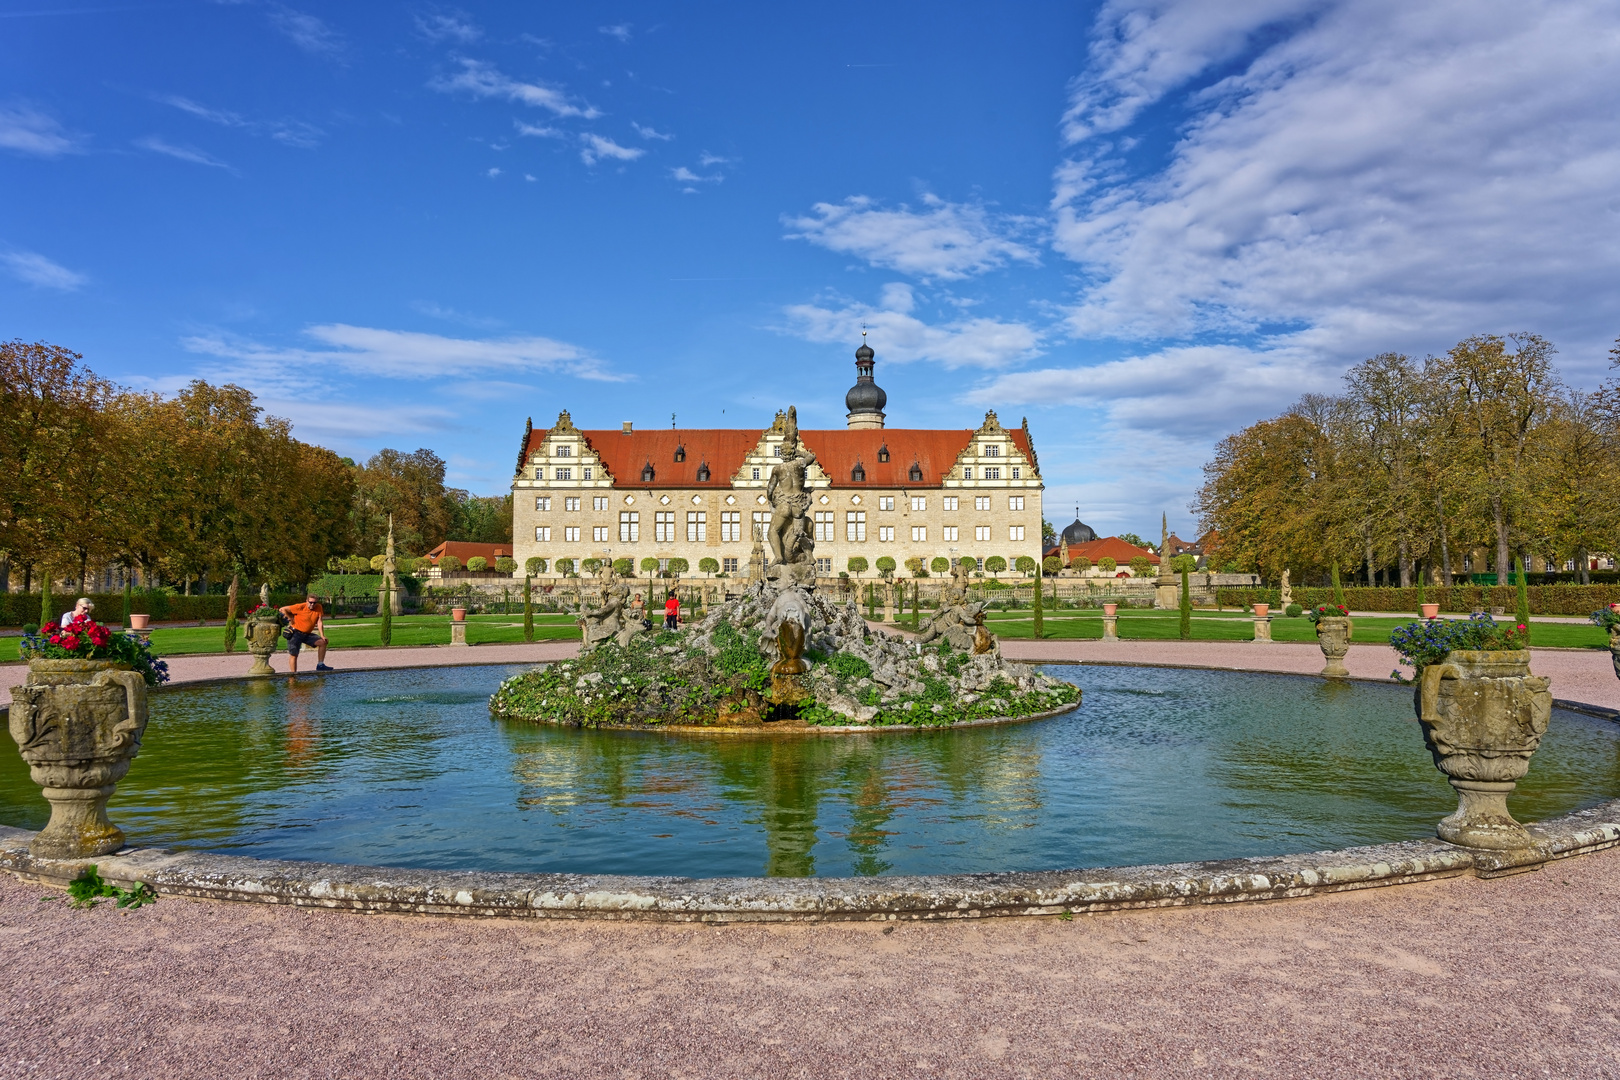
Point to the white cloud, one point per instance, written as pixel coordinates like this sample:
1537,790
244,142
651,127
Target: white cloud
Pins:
539,132
707,159
687,176
306,31
899,336
449,26
1388,175
650,133
295,133
29,131
945,241
621,31
598,147
482,79
183,153
492,173
36,269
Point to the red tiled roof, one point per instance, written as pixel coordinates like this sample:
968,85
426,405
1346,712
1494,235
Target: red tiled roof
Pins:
1111,547
464,550
725,449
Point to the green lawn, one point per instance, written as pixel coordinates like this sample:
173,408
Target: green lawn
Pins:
1235,626
357,634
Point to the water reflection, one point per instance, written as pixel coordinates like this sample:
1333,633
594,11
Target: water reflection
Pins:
408,769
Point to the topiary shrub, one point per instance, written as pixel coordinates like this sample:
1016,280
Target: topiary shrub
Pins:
1141,565
940,565
1051,564
885,565
505,564
1026,564
708,566
449,564
857,565
534,565
565,567
995,564
1293,611
477,564
1107,565
624,567
679,566
590,566
1081,564
1184,564
375,562
650,565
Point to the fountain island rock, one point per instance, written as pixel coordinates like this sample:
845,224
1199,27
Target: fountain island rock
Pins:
779,656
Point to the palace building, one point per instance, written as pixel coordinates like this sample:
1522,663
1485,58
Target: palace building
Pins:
615,493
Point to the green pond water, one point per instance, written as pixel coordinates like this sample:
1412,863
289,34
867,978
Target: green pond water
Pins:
406,768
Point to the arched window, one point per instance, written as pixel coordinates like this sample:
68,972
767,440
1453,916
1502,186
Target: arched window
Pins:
647,473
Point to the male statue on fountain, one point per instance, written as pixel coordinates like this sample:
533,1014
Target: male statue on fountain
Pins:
792,541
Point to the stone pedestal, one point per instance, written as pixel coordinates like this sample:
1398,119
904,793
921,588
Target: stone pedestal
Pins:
1262,628
1110,628
888,603
78,723
1483,715
1333,637
458,632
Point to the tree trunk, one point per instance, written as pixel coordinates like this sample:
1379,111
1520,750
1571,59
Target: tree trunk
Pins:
1405,564
1445,547
5,575
230,613
1367,538
1583,565
1503,573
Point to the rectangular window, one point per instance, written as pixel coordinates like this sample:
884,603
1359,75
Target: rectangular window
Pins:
585,473
981,532
919,503
1015,502
991,472
663,566
992,450
950,534
729,565
1016,471
756,474
762,523
1016,532
599,534
824,566
697,526
730,526
542,534
565,474
967,472
885,502
981,502
950,502
565,451
664,527
855,525
571,503
885,533
542,502
824,525
629,526
919,533
598,502
571,534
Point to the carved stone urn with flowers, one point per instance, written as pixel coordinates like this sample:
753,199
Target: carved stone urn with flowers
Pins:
1483,716
1609,619
78,722
1333,630
263,627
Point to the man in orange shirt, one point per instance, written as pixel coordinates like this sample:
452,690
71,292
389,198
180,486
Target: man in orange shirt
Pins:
307,629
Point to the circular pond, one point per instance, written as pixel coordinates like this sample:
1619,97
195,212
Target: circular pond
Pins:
406,768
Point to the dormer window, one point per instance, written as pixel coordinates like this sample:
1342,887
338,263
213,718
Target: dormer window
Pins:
916,473
647,473
857,475
883,453
703,473
680,453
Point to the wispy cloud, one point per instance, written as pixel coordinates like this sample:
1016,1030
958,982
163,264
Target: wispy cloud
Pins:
650,133
944,241
707,159
687,176
35,269
449,314
306,31
598,147
539,131
902,337
294,133
620,31
182,153
484,80
454,25
27,130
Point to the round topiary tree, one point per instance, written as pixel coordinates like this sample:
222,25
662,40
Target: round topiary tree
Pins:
885,565
679,566
708,566
505,564
477,564
940,565
1141,565
565,567
533,565
1051,564
1107,565
915,565
649,565
624,567
995,564
590,566
1081,564
972,564
1184,564
375,562
1026,564
449,564
857,565
354,564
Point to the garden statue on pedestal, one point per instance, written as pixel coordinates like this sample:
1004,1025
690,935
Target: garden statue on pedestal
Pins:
959,622
1287,595
78,722
389,592
790,535
610,621
264,625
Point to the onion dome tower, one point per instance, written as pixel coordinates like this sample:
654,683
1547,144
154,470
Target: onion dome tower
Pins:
866,398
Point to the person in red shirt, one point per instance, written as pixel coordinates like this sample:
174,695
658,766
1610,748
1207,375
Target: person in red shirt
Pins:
308,628
672,611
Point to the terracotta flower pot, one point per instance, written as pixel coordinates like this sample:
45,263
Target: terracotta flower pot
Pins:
1110,609
139,622
1262,610
458,614
1430,611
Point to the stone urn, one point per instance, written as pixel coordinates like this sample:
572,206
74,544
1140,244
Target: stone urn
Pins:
78,723
1333,637
1483,715
263,639
1614,649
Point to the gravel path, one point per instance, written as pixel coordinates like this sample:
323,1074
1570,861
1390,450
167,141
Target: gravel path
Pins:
1515,977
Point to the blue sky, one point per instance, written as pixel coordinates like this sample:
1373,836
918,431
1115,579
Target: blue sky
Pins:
1141,224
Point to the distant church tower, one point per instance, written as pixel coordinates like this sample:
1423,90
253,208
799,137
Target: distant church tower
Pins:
866,398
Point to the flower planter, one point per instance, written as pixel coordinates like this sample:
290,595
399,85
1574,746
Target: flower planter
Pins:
1262,610
1483,715
78,723
263,639
1110,609
139,622
458,614
1333,637
1430,611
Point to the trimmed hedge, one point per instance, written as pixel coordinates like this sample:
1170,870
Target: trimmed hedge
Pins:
359,586
21,609
1458,600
